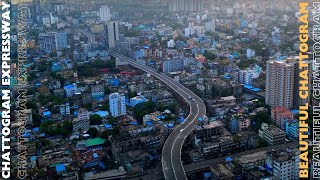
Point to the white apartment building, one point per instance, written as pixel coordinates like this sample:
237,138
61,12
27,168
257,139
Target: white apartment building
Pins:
105,14
117,105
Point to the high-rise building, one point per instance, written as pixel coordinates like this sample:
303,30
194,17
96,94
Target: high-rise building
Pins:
283,164
282,83
185,5
112,33
279,83
117,104
65,109
105,14
53,41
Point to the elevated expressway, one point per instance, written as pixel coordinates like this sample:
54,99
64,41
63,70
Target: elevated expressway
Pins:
171,153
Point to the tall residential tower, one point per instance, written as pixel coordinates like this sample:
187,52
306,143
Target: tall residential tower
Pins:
112,33
282,83
117,104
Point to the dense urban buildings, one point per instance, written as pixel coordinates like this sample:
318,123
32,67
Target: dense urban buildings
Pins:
52,41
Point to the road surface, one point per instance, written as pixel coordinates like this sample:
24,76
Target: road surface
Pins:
171,153
203,165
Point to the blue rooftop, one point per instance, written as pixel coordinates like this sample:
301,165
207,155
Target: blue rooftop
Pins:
170,125
134,123
33,158
207,175
114,82
60,168
108,126
181,119
102,165
71,86
36,129
149,123
227,76
95,155
26,135
47,113
228,159
161,117
247,86
102,113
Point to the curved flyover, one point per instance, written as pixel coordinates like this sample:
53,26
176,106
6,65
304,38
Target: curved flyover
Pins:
171,153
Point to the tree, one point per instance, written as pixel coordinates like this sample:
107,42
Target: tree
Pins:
171,107
111,120
95,119
142,109
67,128
107,90
64,128
132,93
105,135
105,107
31,91
42,67
214,92
88,106
226,92
261,117
209,55
93,132
46,127
36,118
115,130
54,75
263,143
169,118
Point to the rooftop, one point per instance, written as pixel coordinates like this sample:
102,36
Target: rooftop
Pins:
95,142
221,172
60,168
250,158
228,98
